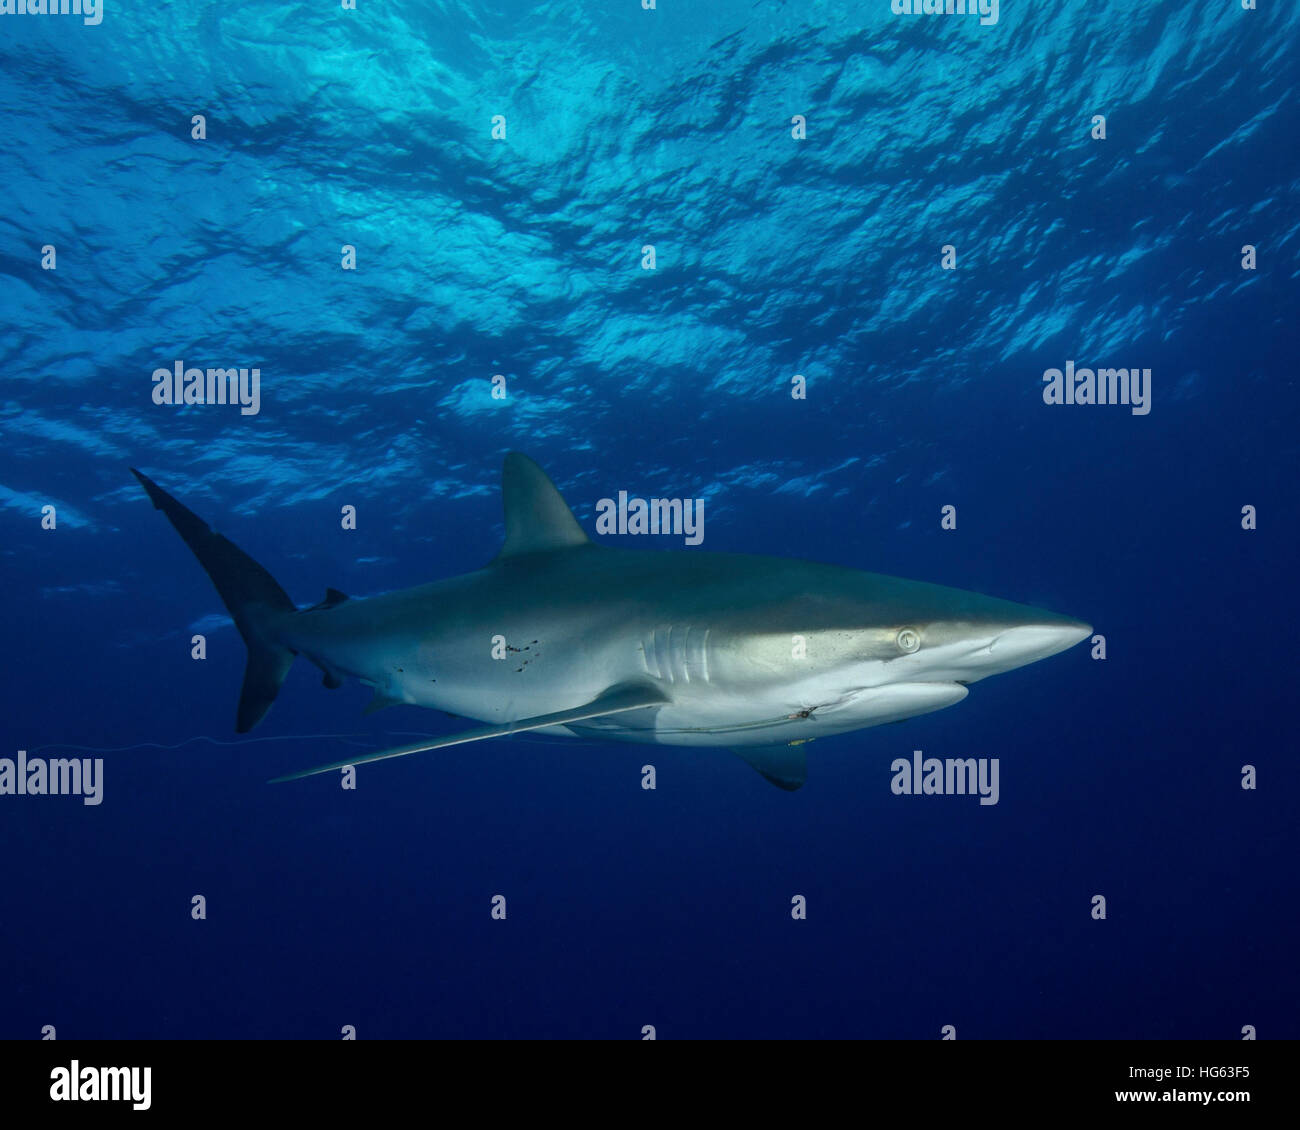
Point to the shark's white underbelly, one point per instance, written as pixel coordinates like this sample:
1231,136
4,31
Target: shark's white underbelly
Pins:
767,717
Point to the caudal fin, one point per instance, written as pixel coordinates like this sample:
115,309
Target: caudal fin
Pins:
248,591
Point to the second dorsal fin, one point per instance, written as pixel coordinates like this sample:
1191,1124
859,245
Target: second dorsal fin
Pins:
332,597
537,517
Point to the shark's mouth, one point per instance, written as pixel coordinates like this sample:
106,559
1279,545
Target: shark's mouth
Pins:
892,702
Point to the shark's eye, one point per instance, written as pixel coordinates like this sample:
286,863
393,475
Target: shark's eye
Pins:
908,640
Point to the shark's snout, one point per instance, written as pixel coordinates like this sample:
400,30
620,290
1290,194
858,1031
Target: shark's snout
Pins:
1028,643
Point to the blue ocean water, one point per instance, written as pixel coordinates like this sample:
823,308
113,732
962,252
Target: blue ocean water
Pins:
773,256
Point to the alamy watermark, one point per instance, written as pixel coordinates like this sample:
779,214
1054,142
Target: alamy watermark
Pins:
987,10
91,11
75,1083
949,776
1105,386
682,517
179,385
60,776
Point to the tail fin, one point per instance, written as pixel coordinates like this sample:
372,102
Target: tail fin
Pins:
249,592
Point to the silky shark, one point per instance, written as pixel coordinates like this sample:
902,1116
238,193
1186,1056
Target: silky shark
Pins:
558,635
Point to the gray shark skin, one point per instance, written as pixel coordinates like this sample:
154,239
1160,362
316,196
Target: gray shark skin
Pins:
756,654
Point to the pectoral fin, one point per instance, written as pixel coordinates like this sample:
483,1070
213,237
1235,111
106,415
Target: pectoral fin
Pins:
786,766
613,701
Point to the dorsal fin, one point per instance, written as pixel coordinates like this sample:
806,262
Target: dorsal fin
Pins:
537,517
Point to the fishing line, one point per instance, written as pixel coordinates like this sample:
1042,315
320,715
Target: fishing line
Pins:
345,738
201,738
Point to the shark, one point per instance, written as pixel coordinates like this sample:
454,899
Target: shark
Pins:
561,635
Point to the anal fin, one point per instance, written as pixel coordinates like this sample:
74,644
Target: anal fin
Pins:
381,701
786,766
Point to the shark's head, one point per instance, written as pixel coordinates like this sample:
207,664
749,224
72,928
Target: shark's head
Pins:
852,649
881,649
903,631
868,648
964,651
